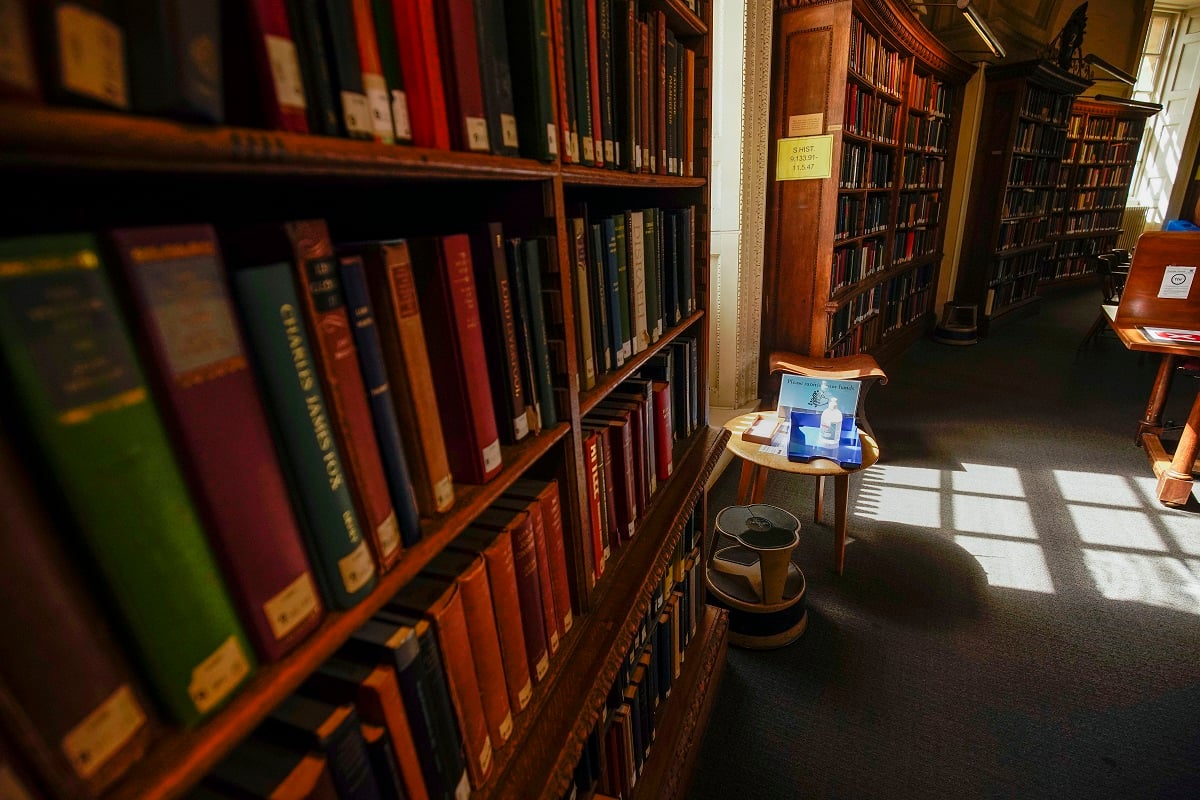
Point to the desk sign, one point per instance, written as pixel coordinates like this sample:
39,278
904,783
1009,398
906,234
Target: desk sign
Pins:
801,158
1177,282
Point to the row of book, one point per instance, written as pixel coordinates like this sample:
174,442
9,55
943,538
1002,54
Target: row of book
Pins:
1031,171
856,217
854,263
1022,232
420,700
909,295
1038,139
870,116
873,60
1093,199
931,135
1010,292
1078,152
1010,268
922,171
262,456
865,168
914,243
1021,202
633,280
1086,221
1104,128
853,313
1103,176
1045,105
930,94
918,208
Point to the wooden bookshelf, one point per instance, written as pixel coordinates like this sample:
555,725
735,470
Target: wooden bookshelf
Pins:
1093,187
1022,137
852,260
93,170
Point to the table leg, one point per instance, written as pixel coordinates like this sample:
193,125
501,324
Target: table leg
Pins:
819,500
841,497
1152,421
746,482
760,485
1175,483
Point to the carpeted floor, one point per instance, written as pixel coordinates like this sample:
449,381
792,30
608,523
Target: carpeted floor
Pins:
1018,617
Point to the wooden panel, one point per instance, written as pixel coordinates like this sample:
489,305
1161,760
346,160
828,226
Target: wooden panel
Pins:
1140,302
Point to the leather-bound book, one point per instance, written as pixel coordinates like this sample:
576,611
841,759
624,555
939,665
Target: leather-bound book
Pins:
519,527
470,573
322,108
494,286
595,82
624,475
398,314
198,365
530,53
175,58
84,403
442,605
459,47
445,281
382,757
259,768
332,730
389,62
593,460
272,315
345,69
662,430
264,84
18,69
547,493
421,66
81,48
68,697
581,74
564,85
492,34
554,628
496,548
374,84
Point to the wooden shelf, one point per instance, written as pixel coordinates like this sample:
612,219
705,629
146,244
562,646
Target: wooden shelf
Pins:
596,176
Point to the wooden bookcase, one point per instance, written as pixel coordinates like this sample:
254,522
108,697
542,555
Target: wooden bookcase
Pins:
1093,187
92,170
852,260
1022,138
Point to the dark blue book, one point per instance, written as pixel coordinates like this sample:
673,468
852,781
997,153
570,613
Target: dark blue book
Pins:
332,730
379,394
612,282
536,255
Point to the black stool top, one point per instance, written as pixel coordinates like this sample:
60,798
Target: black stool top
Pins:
759,526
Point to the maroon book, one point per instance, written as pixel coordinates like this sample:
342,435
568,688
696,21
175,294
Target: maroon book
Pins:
459,47
554,629
546,493
662,430
197,362
67,695
277,66
449,304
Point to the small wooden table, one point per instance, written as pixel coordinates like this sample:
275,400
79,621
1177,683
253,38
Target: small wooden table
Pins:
757,459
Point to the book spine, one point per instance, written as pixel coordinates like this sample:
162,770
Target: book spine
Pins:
616,311
174,66
624,285
82,50
671,93
598,289
595,81
646,83
500,340
72,366
201,371
492,35
18,68
654,328
635,235
381,755
459,48
583,309
530,596
421,67
389,61
687,235
445,282
277,67
612,527
390,276
689,112
272,315
371,65
89,725
662,429
556,550
624,78
323,111
516,261
608,111
581,69
594,468
379,394
659,47
560,27
531,53
332,338
345,68
537,255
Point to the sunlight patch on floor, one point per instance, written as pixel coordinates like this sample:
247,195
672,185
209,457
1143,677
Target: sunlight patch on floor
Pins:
1096,487
1000,516
1155,580
917,507
1184,532
1115,527
988,479
1008,564
920,477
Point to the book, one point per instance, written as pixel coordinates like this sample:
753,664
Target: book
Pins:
18,69
594,81
283,359
375,86
459,48
332,730
609,269
408,646
621,251
382,757
496,312
598,296
390,278
550,617
523,325
259,43
421,68
496,549
175,58
445,283
529,594
623,489
606,56
259,768
1170,335
82,53
91,723
547,493
663,430
638,289
470,573
496,76
580,69
625,82
84,403
374,690
442,605
540,256
564,96
593,472
584,337
199,368
345,69
323,110
530,52
389,62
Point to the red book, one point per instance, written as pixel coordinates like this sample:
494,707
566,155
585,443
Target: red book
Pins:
198,364
621,489
421,66
319,288
459,46
518,525
442,605
549,614
559,62
469,571
496,547
593,60
374,85
278,67
662,429
546,493
629,414
445,280
593,472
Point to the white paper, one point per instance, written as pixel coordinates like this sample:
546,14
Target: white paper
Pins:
1176,282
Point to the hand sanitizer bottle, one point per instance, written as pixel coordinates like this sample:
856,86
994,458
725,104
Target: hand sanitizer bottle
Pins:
831,424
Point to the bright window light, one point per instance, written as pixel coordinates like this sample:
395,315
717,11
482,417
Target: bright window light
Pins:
921,477
1184,532
1112,527
1154,580
986,479
1096,487
1011,565
996,515
916,507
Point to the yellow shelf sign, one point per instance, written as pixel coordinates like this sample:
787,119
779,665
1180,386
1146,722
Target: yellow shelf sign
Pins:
801,158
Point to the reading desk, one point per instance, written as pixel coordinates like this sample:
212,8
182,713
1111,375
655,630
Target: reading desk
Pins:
1163,292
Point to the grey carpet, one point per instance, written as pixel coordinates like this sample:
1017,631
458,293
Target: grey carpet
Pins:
1072,672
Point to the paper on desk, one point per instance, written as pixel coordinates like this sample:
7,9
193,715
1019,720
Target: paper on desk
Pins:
1176,282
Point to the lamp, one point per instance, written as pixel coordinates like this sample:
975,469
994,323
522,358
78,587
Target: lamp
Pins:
977,23
1138,104
1116,72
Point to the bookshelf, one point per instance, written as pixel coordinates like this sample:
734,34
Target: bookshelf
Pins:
83,169
1022,138
852,259
1093,187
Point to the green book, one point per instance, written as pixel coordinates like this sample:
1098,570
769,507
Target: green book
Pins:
274,323
653,307
529,51
72,366
389,59
624,293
